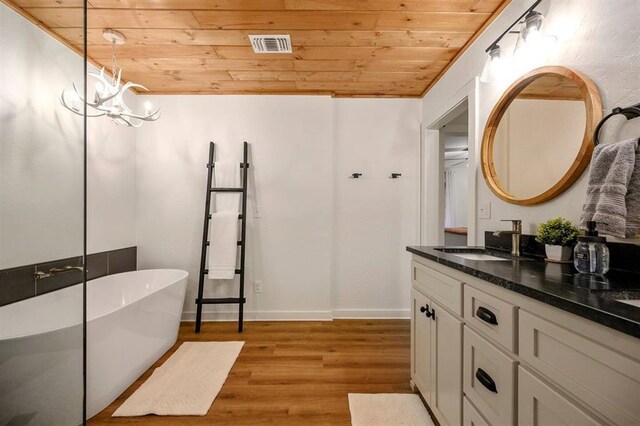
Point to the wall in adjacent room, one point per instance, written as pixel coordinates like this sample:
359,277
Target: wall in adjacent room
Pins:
41,156
600,40
309,226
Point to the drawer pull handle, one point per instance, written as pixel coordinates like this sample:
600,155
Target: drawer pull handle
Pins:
485,379
486,315
424,309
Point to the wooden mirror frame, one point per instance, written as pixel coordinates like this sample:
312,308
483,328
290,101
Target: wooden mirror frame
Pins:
593,107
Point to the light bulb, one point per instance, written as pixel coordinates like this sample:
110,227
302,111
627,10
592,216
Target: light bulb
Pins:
533,39
99,87
148,107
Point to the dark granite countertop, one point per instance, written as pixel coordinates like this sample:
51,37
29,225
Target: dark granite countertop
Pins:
558,285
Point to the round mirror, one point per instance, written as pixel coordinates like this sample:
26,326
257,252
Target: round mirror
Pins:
538,138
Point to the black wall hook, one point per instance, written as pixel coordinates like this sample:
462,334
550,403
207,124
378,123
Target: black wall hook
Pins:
395,175
355,175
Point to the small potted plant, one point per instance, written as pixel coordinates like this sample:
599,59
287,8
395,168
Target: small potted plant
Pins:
559,236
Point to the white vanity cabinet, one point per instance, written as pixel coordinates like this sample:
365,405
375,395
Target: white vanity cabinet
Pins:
436,342
484,355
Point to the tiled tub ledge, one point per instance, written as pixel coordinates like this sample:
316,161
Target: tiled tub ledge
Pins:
19,283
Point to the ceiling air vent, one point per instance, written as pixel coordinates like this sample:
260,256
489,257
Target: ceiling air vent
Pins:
271,43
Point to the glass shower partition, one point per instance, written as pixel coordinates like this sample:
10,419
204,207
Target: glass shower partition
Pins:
42,219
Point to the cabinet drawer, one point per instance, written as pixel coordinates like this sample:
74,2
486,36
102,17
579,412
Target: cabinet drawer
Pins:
540,405
470,416
489,379
491,316
606,380
441,288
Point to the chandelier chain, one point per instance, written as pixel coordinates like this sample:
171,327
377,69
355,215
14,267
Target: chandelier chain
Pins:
113,60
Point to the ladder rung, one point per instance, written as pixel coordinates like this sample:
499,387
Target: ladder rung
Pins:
239,217
237,271
226,189
221,301
242,165
239,243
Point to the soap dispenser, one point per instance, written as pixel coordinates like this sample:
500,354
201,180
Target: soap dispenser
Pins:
591,255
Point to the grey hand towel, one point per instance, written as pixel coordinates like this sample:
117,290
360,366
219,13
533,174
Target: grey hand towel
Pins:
610,183
633,200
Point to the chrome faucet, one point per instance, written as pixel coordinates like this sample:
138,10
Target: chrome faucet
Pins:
516,232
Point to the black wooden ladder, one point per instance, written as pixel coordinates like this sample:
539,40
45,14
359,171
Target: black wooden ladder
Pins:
240,300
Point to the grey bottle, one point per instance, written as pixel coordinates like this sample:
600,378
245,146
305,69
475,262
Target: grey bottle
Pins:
591,255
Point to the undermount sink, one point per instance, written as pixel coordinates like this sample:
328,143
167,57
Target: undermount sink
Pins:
478,256
471,253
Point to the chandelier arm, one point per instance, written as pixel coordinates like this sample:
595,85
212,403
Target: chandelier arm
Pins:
129,122
92,105
149,117
64,104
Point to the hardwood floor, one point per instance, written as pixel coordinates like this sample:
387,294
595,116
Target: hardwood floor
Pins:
294,372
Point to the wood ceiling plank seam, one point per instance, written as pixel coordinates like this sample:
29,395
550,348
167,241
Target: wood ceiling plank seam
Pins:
305,38
464,48
286,20
337,5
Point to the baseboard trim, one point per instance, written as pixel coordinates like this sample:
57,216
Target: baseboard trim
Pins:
260,316
371,313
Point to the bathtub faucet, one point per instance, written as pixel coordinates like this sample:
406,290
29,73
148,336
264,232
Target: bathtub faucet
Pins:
54,271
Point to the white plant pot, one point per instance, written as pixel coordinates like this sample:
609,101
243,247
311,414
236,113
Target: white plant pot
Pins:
558,253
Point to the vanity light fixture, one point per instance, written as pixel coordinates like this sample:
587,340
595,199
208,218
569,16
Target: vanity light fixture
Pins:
531,35
493,66
109,93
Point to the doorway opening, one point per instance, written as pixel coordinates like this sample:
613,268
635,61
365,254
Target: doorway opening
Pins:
454,141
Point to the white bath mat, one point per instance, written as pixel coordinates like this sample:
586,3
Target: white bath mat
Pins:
186,384
388,409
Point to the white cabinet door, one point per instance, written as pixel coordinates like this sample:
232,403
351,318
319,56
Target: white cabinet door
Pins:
540,405
421,344
446,366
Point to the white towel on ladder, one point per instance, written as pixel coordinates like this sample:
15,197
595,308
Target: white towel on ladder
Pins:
223,227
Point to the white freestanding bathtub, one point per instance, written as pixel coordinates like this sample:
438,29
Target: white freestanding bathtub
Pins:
132,319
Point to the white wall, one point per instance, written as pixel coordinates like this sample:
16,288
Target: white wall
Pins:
599,38
289,246
375,216
111,189
41,156
316,227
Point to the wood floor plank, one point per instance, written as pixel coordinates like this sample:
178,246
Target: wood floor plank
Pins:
284,376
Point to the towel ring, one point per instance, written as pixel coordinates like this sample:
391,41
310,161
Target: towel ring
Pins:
630,113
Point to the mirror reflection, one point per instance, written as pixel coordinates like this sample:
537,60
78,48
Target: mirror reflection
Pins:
539,136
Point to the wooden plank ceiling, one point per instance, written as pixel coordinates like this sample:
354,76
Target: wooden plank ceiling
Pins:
395,48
